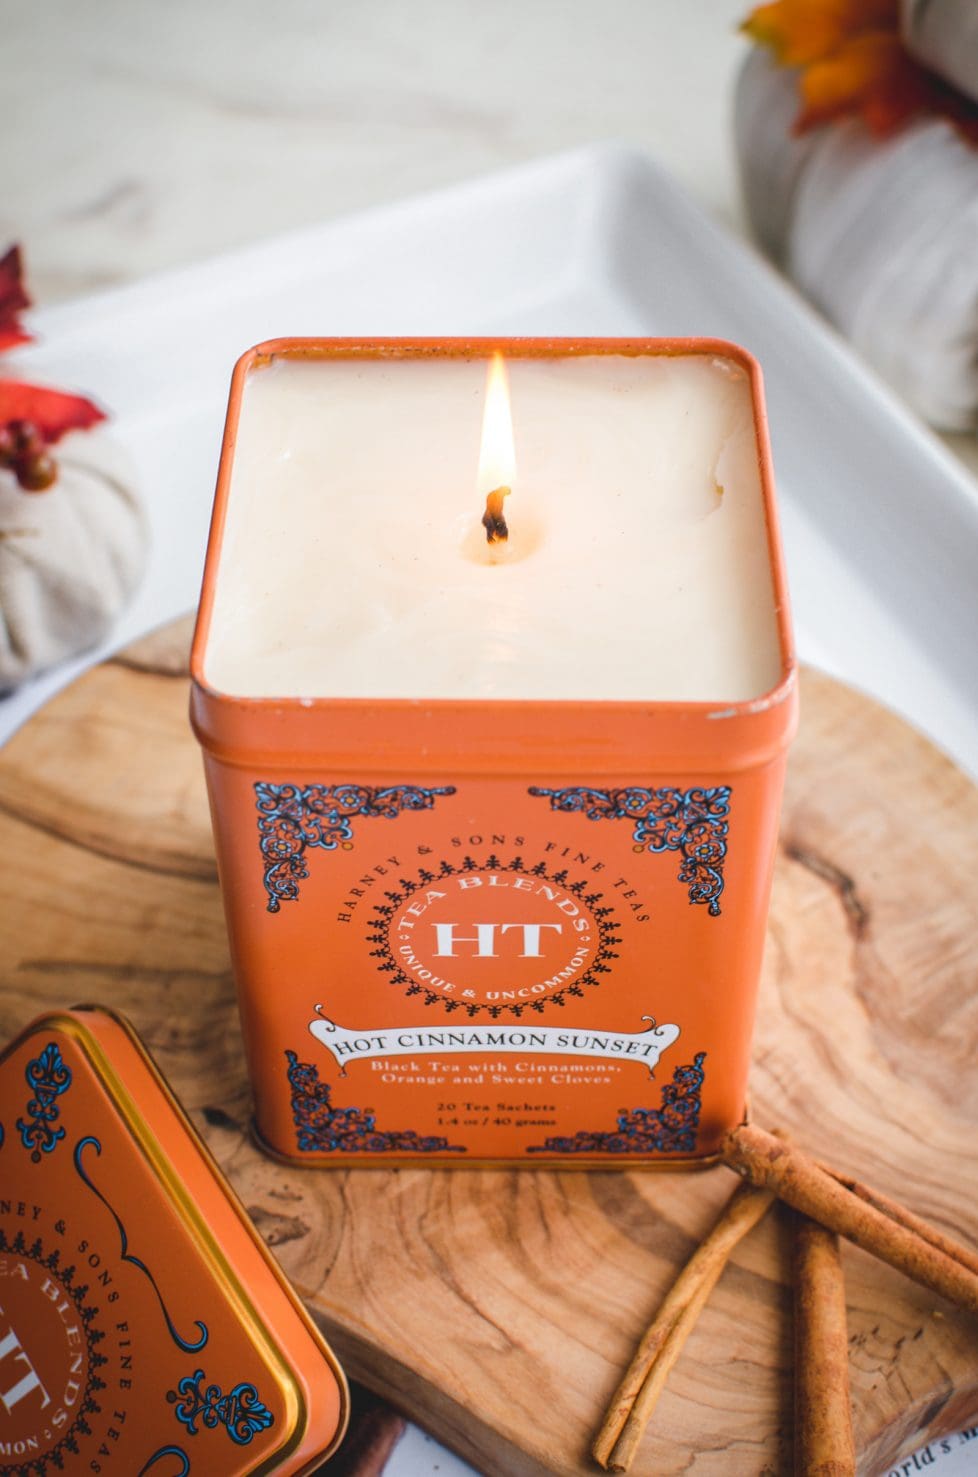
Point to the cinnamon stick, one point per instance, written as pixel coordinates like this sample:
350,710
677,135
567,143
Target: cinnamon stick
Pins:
635,1399
905,1217
777,1165
824,1445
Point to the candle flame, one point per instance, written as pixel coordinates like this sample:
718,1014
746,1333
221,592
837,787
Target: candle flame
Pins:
497,455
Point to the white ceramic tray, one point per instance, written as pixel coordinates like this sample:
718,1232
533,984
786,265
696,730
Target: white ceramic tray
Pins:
880,523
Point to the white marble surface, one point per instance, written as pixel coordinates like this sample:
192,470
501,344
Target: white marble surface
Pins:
143,135
138,136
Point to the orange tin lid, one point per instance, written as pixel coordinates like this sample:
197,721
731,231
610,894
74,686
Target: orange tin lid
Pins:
144,1327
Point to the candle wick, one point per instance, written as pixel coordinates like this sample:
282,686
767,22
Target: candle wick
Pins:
493,519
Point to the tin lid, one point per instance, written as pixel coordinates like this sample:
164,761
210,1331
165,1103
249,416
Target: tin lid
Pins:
144,1327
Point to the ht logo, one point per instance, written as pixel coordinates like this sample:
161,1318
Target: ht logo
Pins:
16,1366
484,938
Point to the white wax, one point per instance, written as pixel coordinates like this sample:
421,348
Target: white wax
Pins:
354,563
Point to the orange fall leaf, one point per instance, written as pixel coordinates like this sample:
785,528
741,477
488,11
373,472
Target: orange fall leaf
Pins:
870,76
800,32
852,62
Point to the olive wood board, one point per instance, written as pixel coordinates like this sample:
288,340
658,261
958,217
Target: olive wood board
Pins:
499,1307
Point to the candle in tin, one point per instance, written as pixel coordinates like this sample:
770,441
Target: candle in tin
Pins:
356,562
494,714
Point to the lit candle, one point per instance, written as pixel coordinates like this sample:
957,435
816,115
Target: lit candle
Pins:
356,562
494,686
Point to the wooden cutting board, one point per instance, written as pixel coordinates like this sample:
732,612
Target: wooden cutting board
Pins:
498,1308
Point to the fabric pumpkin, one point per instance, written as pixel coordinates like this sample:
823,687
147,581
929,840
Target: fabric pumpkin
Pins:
70,557
880,234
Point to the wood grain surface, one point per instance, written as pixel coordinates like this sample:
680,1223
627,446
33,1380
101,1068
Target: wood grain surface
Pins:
498,1308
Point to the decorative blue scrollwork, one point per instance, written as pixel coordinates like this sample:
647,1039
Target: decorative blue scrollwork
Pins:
240,1411
291,819
187,1345
322,1128
174,1451
669,1129
48,1078
692,822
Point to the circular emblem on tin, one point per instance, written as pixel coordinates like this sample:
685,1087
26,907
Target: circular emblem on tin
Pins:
48,1357
493,937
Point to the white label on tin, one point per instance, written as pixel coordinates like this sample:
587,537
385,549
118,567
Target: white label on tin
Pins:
347,1045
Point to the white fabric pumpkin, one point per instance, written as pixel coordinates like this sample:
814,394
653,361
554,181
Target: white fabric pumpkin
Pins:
881,235
70,557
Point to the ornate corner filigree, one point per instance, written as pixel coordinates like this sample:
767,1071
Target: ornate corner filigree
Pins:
322,1128
240,1411
291,818
669,1129
692,822
48,1078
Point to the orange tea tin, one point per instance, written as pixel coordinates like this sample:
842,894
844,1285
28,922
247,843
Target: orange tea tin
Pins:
144,1327
466,930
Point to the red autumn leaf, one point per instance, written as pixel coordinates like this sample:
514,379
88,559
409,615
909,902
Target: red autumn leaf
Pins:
32,417
13,299
51,411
